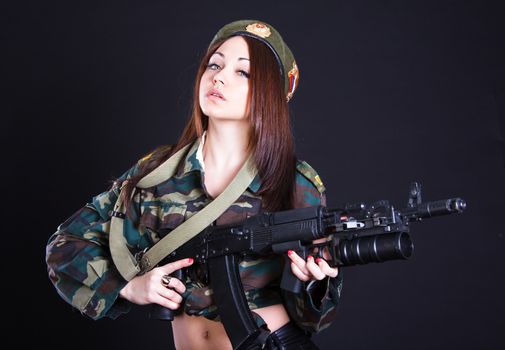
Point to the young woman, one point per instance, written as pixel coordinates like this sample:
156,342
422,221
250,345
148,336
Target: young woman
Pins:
242,88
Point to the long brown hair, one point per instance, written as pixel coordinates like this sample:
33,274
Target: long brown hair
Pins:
271,138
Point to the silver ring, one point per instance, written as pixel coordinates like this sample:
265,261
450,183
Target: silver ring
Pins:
165,280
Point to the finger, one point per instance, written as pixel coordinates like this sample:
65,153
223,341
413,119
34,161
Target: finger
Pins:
170,294
326,254
176,265
298,261
165,302
173,282
298,273
177,285
314,269
326,269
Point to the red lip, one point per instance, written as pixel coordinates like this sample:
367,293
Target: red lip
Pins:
215,92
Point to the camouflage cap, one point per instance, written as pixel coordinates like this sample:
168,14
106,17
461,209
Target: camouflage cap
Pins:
271,38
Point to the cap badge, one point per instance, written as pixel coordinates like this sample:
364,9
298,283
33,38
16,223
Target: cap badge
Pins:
259,29
293,80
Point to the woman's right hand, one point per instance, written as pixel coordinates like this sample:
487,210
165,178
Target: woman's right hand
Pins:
148,288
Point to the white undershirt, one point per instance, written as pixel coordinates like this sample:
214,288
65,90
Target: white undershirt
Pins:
199,151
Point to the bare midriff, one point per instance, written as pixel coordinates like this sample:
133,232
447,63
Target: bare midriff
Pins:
197,332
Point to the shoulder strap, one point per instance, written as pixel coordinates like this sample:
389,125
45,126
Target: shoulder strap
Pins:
306,170
126,263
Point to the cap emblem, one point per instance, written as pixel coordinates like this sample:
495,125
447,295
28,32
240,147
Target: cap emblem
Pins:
259,29
293,80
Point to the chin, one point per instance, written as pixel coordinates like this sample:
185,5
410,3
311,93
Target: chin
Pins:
220,117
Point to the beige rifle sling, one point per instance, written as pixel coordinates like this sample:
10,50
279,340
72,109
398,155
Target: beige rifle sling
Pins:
127,265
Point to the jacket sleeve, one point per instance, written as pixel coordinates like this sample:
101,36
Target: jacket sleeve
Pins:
79,262
315,307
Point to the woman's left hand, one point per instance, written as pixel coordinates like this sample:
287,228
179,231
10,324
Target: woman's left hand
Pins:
310,269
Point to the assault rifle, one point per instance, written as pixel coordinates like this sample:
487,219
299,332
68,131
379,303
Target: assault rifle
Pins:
356,234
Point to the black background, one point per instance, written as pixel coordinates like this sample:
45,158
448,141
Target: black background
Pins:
390,92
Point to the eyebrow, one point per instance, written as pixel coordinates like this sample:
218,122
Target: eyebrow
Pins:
222,55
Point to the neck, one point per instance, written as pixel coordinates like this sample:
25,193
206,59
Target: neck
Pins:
226,144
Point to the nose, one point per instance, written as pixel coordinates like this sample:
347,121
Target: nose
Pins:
219,78
217,82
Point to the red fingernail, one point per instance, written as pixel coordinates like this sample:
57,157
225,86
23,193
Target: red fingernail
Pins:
190,260
310,257
290,252
318,260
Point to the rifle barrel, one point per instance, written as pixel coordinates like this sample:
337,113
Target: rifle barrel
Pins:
436,208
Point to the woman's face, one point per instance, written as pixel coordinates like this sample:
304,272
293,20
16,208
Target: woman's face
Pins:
224,85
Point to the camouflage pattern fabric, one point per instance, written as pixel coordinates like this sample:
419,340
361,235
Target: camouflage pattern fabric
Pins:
81,269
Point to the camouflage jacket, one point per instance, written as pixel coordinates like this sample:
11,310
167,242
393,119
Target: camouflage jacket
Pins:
81,268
